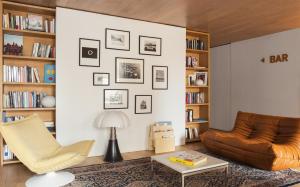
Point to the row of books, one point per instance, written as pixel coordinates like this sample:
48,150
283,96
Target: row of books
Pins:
197,79
7,154
20,74
191,61
192,133
31,22
195,44
16,99
43,50
194,97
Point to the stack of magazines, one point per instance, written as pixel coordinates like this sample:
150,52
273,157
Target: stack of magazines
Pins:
189,159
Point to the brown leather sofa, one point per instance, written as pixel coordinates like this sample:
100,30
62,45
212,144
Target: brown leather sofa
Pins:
265,142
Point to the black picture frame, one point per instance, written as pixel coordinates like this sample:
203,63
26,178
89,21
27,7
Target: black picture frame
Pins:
97,73
104,93
160,43
135,104
106,47
95,40
124,82
153,86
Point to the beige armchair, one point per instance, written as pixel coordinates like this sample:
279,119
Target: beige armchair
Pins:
37,149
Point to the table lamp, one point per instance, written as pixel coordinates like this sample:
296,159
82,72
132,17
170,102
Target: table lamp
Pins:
113,120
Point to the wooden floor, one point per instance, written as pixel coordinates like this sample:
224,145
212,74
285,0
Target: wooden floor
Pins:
15,175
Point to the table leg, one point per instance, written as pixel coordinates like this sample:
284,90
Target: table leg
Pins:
182,180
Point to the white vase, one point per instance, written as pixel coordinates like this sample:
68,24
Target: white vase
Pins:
48,101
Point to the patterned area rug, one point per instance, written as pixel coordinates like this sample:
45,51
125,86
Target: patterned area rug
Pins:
137,173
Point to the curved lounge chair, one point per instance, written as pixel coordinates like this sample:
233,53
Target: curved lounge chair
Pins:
37,149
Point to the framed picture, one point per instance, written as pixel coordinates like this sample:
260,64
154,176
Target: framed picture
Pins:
129,70
143,104
35,22
201,78
117,39
101,79
159,77
89,52
116,98
149,45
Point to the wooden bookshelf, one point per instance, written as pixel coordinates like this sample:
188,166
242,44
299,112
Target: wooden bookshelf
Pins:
29,38
200,110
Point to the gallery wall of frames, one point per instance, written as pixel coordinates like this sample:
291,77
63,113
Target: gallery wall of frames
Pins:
112,63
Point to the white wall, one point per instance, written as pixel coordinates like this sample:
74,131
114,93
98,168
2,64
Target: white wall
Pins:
255,86
79,102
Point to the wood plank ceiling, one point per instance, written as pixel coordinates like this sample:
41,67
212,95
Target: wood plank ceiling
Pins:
226,20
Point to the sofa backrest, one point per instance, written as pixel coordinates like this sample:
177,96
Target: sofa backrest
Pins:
268,128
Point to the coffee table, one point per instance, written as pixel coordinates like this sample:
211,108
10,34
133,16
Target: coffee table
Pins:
211,164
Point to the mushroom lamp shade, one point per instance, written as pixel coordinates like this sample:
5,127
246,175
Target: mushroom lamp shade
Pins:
113,120
116,119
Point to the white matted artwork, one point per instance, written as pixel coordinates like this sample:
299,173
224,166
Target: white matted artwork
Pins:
149,45
159,77
117,39
89,52
115,99
143,104
129,70
101,79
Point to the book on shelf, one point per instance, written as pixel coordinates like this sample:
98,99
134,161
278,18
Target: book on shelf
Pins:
191,61
13,45
189,159
25,74
194,97
197,79
189,115
43,50
50,125
26,99
192,133
30,22
6,118
196,44
200,120
49,73
7,154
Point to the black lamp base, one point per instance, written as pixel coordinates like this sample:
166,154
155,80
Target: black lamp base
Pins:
113,152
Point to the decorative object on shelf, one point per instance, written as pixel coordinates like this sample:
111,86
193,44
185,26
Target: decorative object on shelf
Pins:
197,79
112,120
49,73
143,104
191,61
48,101
117,39
159,77
89,52
35,22
150,45
201,78
116,99
13,45
101,79
129,70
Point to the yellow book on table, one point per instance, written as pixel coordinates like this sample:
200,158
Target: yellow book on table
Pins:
189,159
